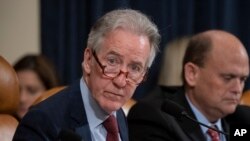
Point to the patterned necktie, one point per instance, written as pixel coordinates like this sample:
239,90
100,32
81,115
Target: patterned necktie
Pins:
213,134
110,125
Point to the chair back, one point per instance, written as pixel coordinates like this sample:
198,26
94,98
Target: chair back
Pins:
245,99
48,93
9,99
9,88
171,67
8,125
128,105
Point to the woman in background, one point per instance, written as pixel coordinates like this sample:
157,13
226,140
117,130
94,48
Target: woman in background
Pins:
36,74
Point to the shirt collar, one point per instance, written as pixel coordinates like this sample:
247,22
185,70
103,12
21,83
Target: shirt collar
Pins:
201,118
95,115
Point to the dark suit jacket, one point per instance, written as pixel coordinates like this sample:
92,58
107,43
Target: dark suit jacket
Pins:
61,111
148,122
241,116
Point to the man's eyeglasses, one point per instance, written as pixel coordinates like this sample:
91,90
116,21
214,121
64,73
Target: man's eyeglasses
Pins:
135,74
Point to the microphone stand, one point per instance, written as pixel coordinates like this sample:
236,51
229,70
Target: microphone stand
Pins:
189,117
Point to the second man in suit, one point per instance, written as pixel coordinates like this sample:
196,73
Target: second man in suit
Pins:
215,68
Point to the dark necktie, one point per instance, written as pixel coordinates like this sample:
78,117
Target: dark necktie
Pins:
110,125
213,134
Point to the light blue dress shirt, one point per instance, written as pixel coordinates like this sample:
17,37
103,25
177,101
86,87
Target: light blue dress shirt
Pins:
95,115
201,118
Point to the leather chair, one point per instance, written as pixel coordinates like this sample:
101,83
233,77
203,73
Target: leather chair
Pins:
48,93
245,99
8,125
9,88
9,99
171,68
128,105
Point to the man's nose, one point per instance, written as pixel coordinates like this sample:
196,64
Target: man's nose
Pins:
238,86
121,79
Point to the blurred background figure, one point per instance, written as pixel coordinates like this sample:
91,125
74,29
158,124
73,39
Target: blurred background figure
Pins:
211,90
36,74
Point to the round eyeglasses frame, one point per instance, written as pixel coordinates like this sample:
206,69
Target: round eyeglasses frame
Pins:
126,73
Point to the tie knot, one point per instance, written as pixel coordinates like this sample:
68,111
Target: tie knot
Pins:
110,124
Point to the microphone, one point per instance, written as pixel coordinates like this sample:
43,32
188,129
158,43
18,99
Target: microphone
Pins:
178,111
68,135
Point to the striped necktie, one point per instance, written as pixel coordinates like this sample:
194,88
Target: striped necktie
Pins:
214,135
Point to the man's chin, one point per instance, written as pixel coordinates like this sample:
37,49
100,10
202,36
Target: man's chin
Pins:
112,107
230,109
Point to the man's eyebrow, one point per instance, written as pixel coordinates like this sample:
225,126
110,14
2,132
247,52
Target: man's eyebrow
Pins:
119,55
115,53
138,63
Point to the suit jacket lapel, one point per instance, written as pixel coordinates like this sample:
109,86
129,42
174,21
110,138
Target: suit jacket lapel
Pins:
191,128
122,125
79,122
226,128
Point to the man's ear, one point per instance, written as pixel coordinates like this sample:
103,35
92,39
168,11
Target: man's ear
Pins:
86,64
191,73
